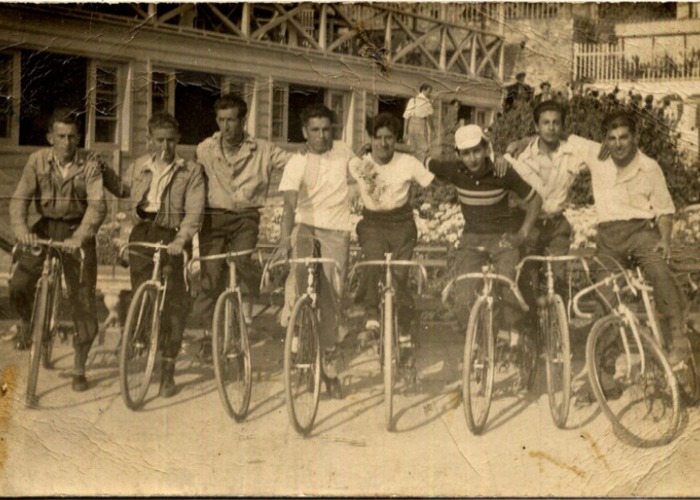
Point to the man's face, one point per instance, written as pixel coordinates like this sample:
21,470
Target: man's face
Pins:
64,138
428,92
549,127
163,142
473,158
230,124
383,144
318,135
622,145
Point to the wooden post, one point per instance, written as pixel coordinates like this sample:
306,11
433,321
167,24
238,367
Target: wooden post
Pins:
443,48
472,61
323,27
387,36
245,20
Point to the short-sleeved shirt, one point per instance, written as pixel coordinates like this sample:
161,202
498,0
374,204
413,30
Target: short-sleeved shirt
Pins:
322,184
386,187
552,177
483,196
637,191
418,107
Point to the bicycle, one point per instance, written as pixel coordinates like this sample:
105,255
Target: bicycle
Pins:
553,320
139,342
230,344
483,348
641,396
389,341
44,323
302,347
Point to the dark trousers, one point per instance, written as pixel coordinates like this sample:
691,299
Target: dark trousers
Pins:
469,261
377,235
638,239
549,237
226,232
81,294
177,301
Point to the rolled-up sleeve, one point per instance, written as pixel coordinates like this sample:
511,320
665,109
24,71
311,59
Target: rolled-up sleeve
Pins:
22,197
96,210
194,207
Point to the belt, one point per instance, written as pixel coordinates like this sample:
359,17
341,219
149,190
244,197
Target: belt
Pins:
235,211
613,223
543,216
65,221
149,216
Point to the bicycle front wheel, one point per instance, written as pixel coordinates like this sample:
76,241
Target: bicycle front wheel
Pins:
478,369
633,382
231,353
55,297
555,327
390,354
37,328
139,345
302,366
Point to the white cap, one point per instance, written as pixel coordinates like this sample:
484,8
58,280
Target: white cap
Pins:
469,136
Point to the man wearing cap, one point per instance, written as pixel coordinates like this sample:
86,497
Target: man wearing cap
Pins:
418,132
489,222
517,91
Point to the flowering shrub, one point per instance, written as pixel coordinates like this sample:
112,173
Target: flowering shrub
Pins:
112,235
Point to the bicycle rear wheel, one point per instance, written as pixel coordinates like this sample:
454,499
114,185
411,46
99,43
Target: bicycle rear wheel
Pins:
139,345
37,328
478,369
558,359
231,353
633,382
47,352
302,366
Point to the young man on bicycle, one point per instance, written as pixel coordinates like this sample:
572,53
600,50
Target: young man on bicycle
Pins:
489,222
66,187
316,207
238,170
167,206
384,179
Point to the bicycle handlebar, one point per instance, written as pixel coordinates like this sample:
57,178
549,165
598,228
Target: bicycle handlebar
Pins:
492,276
157,246
58,245
604,282
423,275
547,258
219,256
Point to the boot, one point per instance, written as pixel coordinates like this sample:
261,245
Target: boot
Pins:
80,383
167,378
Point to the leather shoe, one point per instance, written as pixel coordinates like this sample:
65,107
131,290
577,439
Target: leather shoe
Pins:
80,383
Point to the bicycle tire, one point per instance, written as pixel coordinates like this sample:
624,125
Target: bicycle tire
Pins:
36,328
302,366
478,365
646,367
389,354
139,345
558,360
231,355
50,339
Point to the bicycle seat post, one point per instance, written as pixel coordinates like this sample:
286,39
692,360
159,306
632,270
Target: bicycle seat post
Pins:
232,278
156,265
388,283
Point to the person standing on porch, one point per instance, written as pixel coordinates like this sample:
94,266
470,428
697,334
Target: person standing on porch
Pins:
418,132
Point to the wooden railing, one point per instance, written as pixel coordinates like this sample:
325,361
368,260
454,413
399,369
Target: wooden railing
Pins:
389,34
610,62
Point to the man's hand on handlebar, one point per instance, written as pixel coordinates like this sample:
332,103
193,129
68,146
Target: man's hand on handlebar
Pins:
72,245
175,248
28,239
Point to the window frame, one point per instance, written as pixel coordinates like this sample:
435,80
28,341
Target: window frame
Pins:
15,93
91,106
284,88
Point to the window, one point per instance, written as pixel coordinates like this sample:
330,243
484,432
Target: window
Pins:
34,84
289,100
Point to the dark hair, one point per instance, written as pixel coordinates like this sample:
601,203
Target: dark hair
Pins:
231,101
455,101
425,86
548,106
520,75
619,119
64,115
316,111
383,120
545,83
162,119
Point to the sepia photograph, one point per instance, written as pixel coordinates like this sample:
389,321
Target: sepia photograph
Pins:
357,249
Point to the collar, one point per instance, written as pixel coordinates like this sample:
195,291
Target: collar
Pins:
247,141
564,148
485,172
630,171
177,163
76,160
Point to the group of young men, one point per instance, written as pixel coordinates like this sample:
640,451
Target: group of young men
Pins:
218,195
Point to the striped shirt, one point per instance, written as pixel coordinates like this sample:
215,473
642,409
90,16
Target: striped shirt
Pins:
483,196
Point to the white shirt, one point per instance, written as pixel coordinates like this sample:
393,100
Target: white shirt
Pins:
160,178
552,176
322,184
637,191
418,107
386,187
